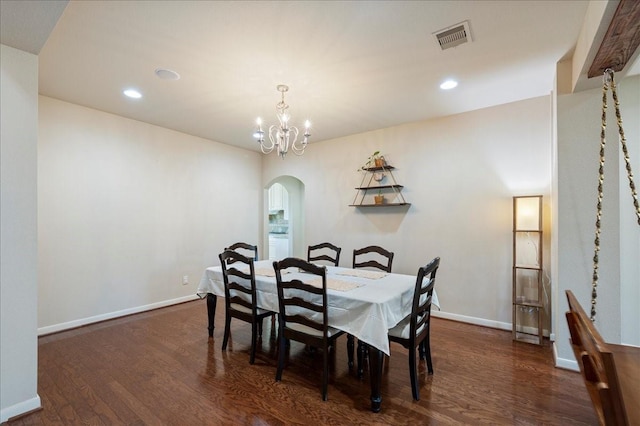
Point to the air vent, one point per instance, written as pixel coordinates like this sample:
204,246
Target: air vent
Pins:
453,36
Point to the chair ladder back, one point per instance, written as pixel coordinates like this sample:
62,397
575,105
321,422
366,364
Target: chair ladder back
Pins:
235,292
300,319
421,310
240,297
237,273
298,301
237,282
298,295
245,247
323,248
372,262
423,314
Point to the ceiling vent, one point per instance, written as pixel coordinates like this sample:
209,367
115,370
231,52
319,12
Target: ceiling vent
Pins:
453,36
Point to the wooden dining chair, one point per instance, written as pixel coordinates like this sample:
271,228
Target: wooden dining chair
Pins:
324,252
367,257
245,249
374,257
413,331
240,297
303,313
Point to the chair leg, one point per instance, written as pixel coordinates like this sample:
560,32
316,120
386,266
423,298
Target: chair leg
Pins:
252,355
281,354
227,331
422,349
350,346
260,327
273,334
325,372
427,350
413,373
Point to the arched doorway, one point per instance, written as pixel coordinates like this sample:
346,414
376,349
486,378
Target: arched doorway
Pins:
284,218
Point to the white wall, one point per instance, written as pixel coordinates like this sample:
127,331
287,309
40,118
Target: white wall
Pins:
126,209
18,232
629,226
618,299
460,173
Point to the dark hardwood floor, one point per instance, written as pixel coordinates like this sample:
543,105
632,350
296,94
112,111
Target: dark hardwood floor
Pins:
160,368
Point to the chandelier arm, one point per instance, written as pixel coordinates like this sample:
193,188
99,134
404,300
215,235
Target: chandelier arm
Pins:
264,147
293,137
298,151
266,150
299,147
278,140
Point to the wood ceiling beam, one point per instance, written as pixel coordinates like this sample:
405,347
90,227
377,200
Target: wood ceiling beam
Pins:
621,40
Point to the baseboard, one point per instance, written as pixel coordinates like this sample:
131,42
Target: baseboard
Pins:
21,408
486,323
567,364
111,315
472,320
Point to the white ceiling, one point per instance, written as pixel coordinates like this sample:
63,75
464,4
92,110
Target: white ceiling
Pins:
352,66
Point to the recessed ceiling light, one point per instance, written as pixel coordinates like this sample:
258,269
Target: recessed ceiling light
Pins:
166,74
132,93
448,84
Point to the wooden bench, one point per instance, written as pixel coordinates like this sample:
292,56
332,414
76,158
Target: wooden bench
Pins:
611,372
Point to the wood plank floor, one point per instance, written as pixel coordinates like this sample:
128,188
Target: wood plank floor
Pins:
160,368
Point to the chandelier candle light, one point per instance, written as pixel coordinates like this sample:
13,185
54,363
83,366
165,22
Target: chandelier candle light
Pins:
282,136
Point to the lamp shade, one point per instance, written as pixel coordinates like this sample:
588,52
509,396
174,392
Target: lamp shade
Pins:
527,213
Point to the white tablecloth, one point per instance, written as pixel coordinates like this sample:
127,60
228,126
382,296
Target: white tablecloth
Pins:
366,312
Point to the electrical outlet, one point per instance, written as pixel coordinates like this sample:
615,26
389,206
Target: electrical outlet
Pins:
185,279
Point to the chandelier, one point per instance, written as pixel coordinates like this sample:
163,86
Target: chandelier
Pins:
282,136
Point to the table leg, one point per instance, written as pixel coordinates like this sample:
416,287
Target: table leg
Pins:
375,376
362,350
212,300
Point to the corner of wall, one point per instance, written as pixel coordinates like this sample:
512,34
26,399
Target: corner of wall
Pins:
567,364
20,409
18,232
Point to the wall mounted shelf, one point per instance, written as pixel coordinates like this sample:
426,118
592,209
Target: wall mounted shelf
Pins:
370,183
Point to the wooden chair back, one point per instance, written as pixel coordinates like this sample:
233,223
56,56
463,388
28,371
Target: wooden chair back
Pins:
362,258
240,296
303,306
596,365
324,252
245,249
239,282
422,296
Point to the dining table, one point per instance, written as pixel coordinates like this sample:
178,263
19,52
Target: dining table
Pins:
361,302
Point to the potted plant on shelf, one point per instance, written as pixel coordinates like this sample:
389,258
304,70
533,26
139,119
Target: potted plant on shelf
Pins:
378,199
374,160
